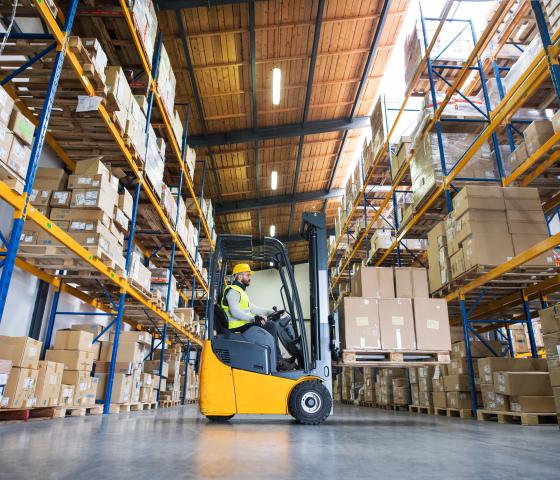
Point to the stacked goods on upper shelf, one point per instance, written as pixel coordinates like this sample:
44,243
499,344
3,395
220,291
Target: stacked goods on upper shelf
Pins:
377,319
16,136
208,213
94,58
74,348
159,286
166,81
551,11
146,23
19,371
391,387
172,388
515,384
488,226
515,72
190,320
382,239
403,150
447,52
550,322
192,382
130,384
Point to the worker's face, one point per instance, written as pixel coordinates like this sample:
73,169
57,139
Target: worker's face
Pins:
244,278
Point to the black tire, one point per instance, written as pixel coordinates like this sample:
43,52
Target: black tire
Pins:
219,418
310,403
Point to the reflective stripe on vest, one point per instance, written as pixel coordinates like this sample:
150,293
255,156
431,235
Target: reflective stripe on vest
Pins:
244,305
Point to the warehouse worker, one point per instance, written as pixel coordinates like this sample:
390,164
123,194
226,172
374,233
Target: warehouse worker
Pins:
242,314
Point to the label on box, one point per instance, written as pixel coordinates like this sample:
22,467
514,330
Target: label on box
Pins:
3,378
398,337
83,386
30,402
4,401
67,393
433,324
397,320
53,380
437,373
85,180
362,321
87,103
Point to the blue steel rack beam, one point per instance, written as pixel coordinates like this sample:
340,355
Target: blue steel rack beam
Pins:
38,141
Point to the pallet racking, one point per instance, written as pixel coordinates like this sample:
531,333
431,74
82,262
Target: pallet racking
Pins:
54,77
512,291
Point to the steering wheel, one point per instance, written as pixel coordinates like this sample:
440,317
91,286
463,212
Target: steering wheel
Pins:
275,316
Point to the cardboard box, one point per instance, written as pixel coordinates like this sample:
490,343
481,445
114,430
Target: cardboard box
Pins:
22,351
411,282
494,401
104,181
127,352
70,339
91,166
49,379
152,366
439,399
120,367
522,199
51,178
72,359
532,404
478,349
480,222
537,134
80,215
5,368
431,321
396,322
66,395
552,347
95,198
479,197
457,263
459,400
456,383
487,249
19,156
550,319
21,127
60,199
487,366
19,391
126,203
522,383
359,323
523,221
460,366
6,139
6,106
81,381
133,336
373,282
524,241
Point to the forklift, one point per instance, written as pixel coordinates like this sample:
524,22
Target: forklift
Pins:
238,371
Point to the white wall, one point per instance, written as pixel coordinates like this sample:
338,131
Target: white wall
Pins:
265,288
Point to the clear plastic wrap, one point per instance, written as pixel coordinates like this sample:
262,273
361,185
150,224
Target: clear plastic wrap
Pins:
522,64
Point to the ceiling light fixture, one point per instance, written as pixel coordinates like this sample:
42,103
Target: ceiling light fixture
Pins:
276,80
274,180
272,230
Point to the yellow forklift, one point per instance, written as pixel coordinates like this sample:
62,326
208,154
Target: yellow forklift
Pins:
238,371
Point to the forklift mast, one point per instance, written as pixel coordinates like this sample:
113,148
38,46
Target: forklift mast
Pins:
313,228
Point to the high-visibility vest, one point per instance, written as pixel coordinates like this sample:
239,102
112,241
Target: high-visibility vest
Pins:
244,305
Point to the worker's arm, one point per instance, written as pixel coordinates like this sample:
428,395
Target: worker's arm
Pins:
233,298
263,312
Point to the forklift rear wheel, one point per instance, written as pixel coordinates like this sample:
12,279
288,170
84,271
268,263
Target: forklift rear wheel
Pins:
219,418
310,403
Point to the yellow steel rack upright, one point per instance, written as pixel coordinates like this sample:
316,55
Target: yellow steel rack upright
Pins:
24,210
515,286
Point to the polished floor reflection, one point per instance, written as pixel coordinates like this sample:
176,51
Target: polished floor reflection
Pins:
355,443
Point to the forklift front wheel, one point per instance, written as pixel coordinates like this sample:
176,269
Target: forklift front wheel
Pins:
219,418
310,403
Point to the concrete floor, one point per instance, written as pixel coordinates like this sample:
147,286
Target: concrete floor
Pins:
356,443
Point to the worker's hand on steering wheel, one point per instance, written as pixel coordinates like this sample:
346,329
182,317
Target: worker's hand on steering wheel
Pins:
275,315
259,320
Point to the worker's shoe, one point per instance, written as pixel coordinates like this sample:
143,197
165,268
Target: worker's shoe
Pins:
285,365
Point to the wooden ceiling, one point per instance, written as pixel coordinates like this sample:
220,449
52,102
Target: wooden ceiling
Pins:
219,49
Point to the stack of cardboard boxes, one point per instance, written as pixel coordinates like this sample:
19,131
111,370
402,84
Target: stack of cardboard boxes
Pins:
391,310
75,350
506,383
129,379
172,390
550,322
421,385
488,226
159,284
368,389
145,22
16,136
391,387
20,371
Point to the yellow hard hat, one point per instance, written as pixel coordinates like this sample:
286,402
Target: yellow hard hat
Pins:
242,267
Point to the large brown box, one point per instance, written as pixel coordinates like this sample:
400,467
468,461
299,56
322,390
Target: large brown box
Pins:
537,134
487,366
91,166
80,214
550,319
72,359
359,323
431,321
49,379
477,222
524,221
66,397
22,351
133,336
439,399
524,241
532,404
396,322
127,352
478,349
373,282
19,392
522,383
478,197
120,367
411,282
51,178
487,249
69,339
552,348
152,366
492,400
522,198
554,376
458,400
456,383
81,381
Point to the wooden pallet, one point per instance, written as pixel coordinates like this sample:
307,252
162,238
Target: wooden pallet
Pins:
523,418
123,407
347,402
11,179
421,409
169,403
452,412
396,408
367,404
386,358
49,412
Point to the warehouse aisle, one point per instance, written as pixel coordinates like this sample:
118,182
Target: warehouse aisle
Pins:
357,442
